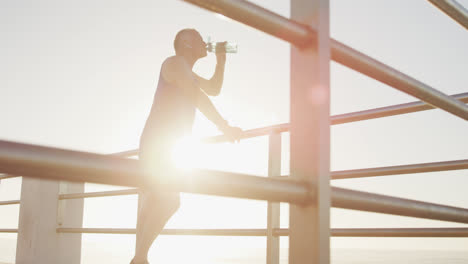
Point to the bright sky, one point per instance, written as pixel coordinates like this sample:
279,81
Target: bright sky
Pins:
82,75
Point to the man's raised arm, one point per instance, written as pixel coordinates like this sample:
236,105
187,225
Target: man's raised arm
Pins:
213,86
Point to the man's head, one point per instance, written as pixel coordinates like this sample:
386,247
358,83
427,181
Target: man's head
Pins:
189,41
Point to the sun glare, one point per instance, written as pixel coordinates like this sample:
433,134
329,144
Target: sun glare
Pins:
187,153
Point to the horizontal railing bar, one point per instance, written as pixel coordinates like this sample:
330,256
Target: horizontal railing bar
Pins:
184,232
350,199
97,194
371,202
454,10
128,153
400,232
335,175
337,232
379,71
302,35
364,201
7,176
60,164
261,19
401,169
8,230
251,133
390,232
380,112
392,110
9,202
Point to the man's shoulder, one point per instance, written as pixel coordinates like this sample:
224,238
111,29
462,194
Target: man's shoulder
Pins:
173,67
172,62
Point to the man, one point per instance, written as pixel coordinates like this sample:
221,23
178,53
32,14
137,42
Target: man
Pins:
179,92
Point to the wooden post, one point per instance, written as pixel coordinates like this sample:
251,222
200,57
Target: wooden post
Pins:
40,214
309,231
273,210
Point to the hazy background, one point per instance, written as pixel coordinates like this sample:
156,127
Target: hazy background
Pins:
82,75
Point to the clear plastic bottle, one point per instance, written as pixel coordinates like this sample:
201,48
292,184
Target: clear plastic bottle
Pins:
227,47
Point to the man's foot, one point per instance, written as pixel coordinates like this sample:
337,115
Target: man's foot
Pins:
144,262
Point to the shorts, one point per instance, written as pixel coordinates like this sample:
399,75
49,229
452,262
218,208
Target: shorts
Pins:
156,160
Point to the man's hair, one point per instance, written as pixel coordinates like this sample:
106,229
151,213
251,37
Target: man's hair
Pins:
185,35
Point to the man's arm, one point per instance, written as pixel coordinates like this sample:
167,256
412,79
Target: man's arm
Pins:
213,86
177,71
205,106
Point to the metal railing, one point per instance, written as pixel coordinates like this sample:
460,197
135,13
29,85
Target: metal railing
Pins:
9,202
277,232
304,36
454,10
59,164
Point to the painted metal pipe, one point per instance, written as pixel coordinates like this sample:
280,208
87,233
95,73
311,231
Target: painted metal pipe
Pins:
374,113
181,232
60,164
7,176
335,175
261,19
454,10
97,194
392,110
8,230
380,112
385,74
401,169
301,35
337,232
9,202
400,232
128,153
371,202
350,199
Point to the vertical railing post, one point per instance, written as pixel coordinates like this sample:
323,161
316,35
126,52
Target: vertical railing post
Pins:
273,210
40,214
309,230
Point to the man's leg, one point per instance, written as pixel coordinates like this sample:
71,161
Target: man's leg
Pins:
155,209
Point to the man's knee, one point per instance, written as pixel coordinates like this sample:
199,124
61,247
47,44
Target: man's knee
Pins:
172,202
160,203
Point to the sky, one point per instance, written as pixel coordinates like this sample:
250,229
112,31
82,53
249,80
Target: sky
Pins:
82,74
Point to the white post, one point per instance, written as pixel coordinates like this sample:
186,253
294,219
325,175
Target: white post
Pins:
309,230
40,214
273,210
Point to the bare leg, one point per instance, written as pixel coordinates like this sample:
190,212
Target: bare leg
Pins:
153,213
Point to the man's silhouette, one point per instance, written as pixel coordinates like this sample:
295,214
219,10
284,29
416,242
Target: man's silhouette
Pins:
180,91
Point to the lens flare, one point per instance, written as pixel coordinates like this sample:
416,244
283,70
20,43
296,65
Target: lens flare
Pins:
186,153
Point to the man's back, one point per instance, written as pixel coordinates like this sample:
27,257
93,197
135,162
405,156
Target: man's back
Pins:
172,112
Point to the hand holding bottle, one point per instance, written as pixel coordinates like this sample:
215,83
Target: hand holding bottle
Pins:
221,55
225,47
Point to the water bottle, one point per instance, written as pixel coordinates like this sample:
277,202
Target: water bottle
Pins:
227,47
